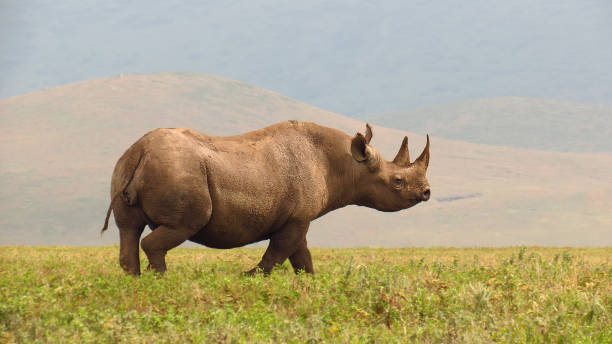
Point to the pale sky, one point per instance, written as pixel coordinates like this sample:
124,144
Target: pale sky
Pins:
357,58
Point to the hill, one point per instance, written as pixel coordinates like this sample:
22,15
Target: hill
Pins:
59,147
532,123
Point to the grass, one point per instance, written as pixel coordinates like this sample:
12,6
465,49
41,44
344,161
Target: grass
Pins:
437,295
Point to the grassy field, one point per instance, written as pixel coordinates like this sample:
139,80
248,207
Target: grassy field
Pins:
437,295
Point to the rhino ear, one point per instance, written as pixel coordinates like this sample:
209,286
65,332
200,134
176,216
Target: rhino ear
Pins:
423,159
368,135
362,152
359,148
403,156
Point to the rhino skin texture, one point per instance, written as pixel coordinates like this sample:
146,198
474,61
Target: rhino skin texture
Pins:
226,192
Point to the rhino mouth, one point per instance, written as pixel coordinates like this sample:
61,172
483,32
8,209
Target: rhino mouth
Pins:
426,195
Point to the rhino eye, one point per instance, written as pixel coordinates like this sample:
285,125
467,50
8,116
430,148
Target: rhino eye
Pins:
398,182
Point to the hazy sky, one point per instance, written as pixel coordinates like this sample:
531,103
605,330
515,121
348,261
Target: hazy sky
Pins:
353,57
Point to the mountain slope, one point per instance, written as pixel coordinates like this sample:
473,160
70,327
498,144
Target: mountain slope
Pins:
535,123
59,147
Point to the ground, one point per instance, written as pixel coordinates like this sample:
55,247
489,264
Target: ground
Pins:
423,295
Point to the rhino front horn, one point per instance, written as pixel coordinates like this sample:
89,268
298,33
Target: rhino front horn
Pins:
423,159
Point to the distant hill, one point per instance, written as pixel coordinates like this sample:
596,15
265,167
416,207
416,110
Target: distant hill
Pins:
532,123
58,148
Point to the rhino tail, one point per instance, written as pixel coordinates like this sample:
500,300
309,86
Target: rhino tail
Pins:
129,198
108,212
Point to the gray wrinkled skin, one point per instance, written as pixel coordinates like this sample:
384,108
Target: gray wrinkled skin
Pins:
226,192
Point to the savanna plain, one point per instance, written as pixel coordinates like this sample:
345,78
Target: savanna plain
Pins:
360,295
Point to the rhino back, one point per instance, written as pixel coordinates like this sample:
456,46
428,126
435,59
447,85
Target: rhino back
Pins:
256,181
259,182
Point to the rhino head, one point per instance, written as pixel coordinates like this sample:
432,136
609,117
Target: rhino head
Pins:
389,185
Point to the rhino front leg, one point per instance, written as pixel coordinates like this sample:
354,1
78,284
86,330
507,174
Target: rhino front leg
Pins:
301,260
283,244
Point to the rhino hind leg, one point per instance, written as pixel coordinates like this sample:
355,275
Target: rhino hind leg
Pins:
284,243
177,209
129,254
168,236
130,224
301,259
158,243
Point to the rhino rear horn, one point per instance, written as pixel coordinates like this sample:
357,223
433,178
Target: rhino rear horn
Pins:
403,156
423,159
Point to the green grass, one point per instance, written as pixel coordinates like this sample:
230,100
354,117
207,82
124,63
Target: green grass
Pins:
437,295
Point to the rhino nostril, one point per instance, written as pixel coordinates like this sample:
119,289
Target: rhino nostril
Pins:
426,194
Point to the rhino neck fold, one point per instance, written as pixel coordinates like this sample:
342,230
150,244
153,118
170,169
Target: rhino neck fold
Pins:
342,186
337,176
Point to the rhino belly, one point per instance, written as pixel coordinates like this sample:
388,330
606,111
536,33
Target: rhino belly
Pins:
221,236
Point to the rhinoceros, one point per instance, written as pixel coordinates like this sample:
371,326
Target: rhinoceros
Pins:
226,192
